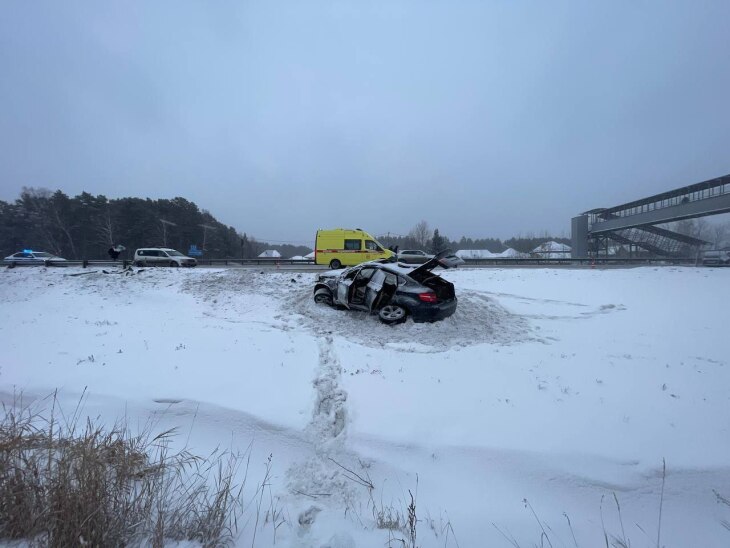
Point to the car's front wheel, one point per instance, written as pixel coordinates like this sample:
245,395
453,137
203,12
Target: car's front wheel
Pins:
323,296
392,314
335,264
174,264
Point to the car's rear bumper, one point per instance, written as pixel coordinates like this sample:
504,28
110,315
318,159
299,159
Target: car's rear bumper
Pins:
434,312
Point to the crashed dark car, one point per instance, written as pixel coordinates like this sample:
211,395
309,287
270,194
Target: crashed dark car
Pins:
392,290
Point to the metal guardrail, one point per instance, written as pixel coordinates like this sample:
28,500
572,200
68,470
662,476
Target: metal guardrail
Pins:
586,261
256,261
80,262
493,261
485,261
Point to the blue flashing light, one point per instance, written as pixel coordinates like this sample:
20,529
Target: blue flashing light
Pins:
27,251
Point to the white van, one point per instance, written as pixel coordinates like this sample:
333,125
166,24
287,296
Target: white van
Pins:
162,256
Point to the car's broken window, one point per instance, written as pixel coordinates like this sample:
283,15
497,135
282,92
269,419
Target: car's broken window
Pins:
366,273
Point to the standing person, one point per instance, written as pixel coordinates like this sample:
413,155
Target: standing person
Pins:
114,251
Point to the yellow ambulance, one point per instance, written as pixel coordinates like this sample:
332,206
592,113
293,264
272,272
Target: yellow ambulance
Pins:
340,247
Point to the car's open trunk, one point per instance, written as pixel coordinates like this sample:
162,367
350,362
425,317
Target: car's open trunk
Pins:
444,290
423,274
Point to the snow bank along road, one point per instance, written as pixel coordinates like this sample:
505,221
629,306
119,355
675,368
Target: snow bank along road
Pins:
560,387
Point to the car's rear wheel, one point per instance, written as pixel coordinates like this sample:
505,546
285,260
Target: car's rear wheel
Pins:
335,264
392,314
173,264
323,296
139,263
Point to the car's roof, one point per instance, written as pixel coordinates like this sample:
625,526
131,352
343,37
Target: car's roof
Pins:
396,268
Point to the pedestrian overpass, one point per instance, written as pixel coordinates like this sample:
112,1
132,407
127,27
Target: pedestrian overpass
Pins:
634,224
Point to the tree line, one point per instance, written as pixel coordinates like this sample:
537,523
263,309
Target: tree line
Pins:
85,226
422,237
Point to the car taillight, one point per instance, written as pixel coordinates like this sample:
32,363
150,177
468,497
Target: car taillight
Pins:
428,297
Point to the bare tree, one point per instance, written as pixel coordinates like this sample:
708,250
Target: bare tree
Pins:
720,233
105,228
64,226
37,202
420,234
696,228
702,228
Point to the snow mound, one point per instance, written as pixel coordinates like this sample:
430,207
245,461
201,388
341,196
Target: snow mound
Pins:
478,319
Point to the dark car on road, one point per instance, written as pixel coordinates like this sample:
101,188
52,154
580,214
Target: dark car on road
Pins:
393,291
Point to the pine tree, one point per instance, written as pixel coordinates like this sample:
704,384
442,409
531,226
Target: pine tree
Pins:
437,242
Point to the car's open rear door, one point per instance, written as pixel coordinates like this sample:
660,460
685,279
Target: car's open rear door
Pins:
374,288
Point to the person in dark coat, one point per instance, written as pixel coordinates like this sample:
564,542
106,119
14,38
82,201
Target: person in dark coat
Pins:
113,252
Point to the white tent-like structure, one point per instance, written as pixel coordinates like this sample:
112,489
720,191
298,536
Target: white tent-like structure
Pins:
508,253
475,254
270,254
552,250
309,255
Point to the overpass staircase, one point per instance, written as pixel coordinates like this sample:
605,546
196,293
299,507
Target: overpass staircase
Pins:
657,240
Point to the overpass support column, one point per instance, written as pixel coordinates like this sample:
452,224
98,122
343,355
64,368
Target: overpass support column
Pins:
579,236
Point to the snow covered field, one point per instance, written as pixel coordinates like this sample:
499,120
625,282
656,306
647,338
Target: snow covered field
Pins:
556,387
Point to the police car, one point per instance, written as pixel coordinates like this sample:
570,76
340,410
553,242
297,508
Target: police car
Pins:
30,257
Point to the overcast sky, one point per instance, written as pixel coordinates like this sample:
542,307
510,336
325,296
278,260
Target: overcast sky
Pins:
484,118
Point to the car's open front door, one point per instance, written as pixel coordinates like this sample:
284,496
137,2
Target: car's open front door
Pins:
343,291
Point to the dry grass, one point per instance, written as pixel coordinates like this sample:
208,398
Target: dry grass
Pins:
610,540
71,484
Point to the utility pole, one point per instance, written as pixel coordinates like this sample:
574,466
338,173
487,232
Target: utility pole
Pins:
206,228
165,224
